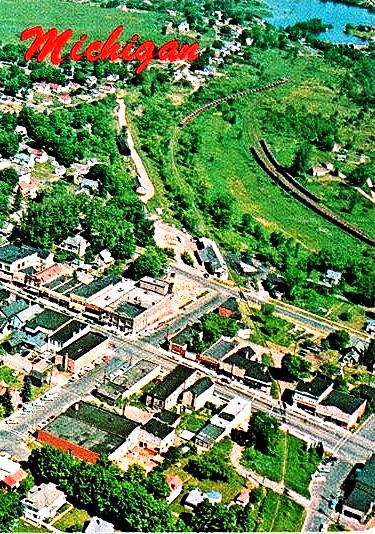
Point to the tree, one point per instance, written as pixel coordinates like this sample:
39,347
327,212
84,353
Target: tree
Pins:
8,144
10,510
264,432
338,339
25,393
153,262
296,367
301,161
368,358
214,518
6,401
275,393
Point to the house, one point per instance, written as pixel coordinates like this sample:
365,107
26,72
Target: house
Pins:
194,498
11,474
319,171
229,308
220,350
210,256
175,486
199,393
65,99
181,342
29,188
75,244
39,154
352,355
166,394
307,395
87,432
235,414
370,326
333,277
243,498
359,497
46,322
99,526
43,502
6,229
341,408
183,27
156,436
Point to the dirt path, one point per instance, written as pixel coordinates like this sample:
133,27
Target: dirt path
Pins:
143,177
258,480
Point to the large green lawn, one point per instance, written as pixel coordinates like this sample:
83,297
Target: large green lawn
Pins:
299,463
278,513
90,19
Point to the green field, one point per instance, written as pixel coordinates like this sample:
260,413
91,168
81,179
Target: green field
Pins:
278,513
92,20
299,463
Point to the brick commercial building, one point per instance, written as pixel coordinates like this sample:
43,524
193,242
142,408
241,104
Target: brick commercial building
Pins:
342,409
319,398
87,432
82,352
167,393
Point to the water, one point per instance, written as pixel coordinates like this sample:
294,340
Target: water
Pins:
288,12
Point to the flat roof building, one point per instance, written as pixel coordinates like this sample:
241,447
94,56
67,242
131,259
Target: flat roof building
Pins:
87,431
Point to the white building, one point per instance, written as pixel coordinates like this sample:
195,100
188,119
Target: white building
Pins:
42,502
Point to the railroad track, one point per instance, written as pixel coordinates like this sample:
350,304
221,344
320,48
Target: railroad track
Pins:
238,94
266,160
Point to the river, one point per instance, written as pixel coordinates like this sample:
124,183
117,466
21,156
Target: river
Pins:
288,12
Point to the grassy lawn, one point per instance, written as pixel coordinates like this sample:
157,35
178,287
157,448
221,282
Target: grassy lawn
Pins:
269,466
22,526
6,375
75,517
300,466
277,513
90,19
192,421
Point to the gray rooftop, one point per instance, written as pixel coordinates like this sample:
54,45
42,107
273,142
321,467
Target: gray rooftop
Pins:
171,382
67,332
92,428
220,349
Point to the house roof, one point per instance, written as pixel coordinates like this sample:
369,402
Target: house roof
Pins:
99,526
43,495
167,417
210,432
183,337
49,319
201,385
314,388
343,401
171,382
158,429
10,310
253,370
174,482
230,304
12,480
220,349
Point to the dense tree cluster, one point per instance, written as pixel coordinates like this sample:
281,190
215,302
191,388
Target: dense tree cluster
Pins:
264,432
296,367
127,500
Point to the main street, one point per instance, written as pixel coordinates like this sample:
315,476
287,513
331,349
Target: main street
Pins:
344,444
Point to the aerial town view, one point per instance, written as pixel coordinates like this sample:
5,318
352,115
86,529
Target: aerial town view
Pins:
187,266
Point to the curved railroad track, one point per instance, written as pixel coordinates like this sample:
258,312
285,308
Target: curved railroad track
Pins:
266,160
238,94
